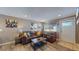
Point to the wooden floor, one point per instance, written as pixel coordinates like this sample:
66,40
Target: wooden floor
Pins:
48,47
72,46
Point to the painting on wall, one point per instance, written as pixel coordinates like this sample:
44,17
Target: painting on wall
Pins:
36,27
11,23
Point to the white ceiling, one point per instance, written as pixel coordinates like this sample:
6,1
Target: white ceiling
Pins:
38,13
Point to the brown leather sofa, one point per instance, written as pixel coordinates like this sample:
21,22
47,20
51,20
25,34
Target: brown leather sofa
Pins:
52,37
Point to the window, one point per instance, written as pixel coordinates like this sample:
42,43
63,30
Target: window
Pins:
50,27
66,23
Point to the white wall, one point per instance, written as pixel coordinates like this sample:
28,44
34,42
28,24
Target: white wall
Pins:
67,32
9,34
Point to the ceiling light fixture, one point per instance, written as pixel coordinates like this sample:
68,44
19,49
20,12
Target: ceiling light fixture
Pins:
42,20
59,15
0,30
25,15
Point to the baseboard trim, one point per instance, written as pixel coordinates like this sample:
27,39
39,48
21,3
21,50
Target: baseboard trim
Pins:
7,43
